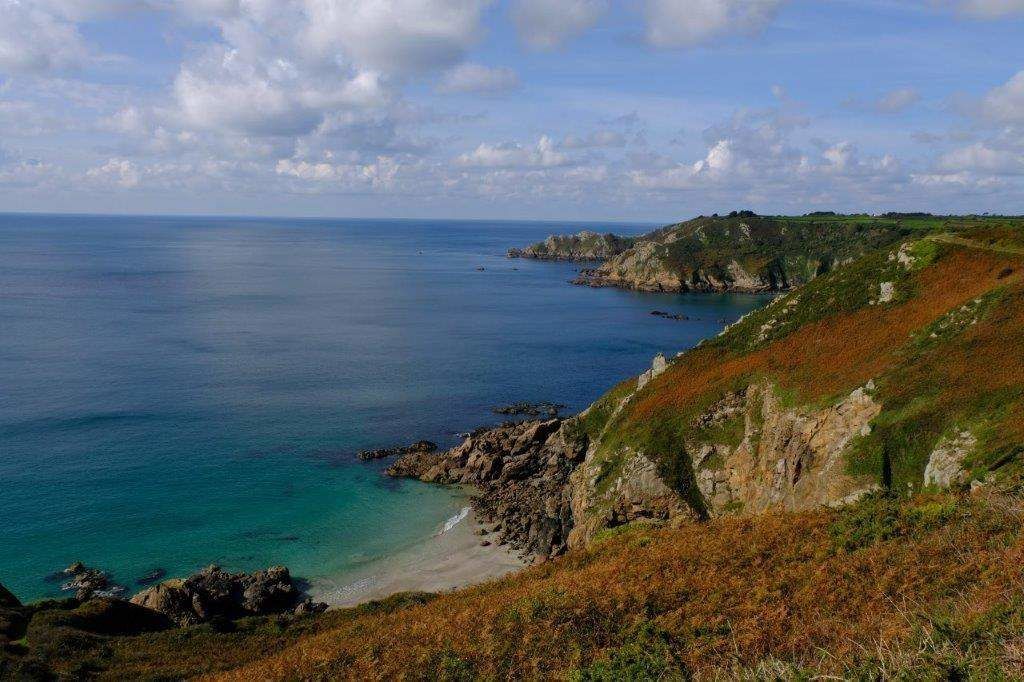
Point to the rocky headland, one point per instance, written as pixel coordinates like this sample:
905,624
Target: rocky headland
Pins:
741,252
584,246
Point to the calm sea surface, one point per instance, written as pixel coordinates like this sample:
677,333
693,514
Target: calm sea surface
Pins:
181,391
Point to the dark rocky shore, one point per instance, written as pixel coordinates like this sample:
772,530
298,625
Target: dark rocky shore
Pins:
522,472
210,596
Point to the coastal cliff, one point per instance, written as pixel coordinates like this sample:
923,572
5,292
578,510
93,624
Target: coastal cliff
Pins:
584,246
801,404
742,252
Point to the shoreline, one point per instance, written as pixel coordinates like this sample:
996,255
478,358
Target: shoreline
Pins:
447,560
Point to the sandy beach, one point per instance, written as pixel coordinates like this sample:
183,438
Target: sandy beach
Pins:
447,560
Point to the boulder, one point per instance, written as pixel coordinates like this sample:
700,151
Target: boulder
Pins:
308,607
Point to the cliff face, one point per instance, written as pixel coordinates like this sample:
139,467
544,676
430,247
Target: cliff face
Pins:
740,254
880,373
585,246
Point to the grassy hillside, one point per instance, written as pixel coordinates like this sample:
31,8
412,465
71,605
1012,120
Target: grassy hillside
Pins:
928,588
940,353
907,583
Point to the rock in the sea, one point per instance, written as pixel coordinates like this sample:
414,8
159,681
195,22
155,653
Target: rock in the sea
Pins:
424,446
215,593
530,409
153,576
87,582
669,316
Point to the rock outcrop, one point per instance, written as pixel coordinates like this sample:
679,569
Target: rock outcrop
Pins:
585,246
87,582
424,446
946,463
786,459
214,593
521,470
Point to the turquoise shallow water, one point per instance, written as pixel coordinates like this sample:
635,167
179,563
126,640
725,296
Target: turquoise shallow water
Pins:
178,391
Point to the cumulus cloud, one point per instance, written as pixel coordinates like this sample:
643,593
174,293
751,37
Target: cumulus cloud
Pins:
120,173
687,23
512,155
36,41
394,36
380,174
980,157
545,25
476,78
1005,104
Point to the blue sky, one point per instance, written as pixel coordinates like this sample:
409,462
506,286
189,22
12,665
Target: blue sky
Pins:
648,110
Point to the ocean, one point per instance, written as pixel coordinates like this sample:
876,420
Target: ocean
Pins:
176,392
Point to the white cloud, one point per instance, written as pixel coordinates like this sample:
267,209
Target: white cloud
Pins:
984,158
379,175
547,24
687,23
476,78
1005,104
120,173
396,36
36,41
511,155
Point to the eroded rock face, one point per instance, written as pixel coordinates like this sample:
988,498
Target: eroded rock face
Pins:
215,593
636,493
946,463
521,470
787,458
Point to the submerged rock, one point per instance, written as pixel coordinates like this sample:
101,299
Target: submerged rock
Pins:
530,409
151,577
669,316
425,446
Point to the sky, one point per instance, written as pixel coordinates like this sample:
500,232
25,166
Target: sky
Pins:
591,110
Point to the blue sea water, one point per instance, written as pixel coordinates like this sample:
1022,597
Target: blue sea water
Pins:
181,391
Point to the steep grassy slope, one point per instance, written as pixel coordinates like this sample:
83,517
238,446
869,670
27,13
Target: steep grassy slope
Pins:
931,588
929,333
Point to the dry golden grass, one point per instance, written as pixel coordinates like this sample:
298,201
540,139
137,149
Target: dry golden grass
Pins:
725,596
